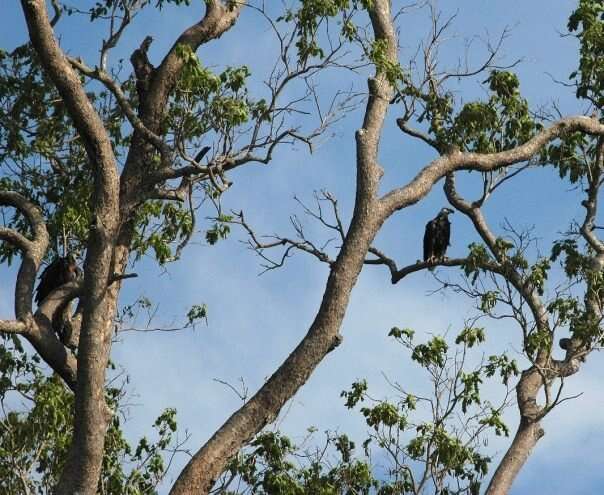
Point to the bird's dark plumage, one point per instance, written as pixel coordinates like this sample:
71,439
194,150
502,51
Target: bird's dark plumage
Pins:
437,236
202,153
565,344
59,272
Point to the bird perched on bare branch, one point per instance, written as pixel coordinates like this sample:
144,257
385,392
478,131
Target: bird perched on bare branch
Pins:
437,236
58,273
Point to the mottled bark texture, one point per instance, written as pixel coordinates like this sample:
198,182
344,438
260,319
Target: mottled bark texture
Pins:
117,197
113,202
82,468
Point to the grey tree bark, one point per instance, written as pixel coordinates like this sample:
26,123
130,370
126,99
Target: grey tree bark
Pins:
116,197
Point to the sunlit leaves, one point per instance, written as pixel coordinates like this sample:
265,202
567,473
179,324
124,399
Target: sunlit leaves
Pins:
471,336
266,468
568,155
37,437
503,365
160,225
475,261
587,21
433,352
500,123
495,421
205,101
538,274
379,56
219,230
355,394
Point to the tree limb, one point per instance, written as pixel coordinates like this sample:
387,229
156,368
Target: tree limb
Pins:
455,160
207,464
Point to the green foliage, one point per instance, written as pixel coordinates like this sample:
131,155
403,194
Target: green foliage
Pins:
500,123
160,225
538,274
404,333
504,365
196,313
476,259
433,352
536,340
101,10
495,421
471,391
392,70
206,102
356,394
488,300
267,468
314,13
568,155
36,437
41,155
471,336
587,21
575,263
569,309
220,230
436,445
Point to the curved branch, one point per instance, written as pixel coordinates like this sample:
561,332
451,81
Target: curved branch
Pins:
524,288
32,251
218,18
15,238
404,127
423,182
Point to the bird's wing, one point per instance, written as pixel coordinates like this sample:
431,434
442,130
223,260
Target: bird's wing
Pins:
202,153
48,280
429,240
446,233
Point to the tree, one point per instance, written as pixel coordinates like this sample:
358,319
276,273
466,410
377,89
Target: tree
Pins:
104,167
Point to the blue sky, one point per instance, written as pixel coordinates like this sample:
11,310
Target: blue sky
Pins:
254,322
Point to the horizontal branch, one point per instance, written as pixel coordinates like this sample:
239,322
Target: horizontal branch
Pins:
398,275
15,238
13,326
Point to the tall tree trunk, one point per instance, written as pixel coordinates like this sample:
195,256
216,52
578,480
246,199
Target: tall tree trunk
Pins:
527,436
210,461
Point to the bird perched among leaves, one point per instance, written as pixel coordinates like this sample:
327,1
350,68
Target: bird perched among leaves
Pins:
59,272
437,236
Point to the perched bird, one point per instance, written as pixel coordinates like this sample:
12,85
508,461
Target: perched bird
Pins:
565,344
59,272
202,153
436,238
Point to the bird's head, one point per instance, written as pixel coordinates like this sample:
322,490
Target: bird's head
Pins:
445,212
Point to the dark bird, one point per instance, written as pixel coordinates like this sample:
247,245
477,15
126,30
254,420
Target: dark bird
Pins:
202,153
565,344
59,272
436,238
